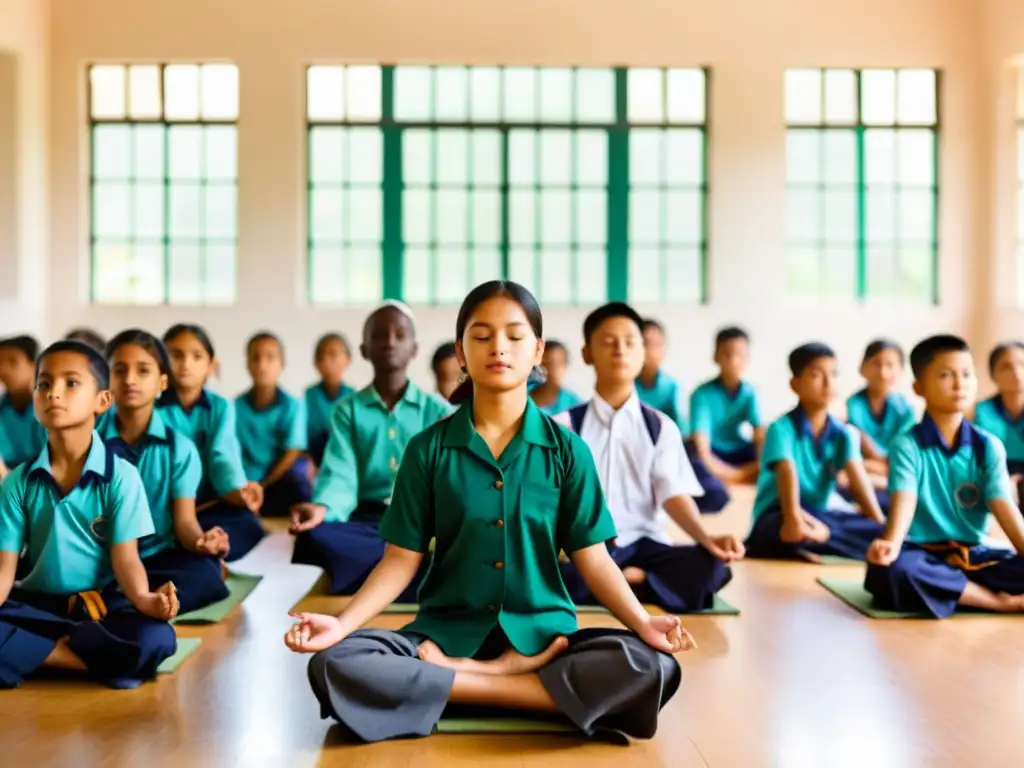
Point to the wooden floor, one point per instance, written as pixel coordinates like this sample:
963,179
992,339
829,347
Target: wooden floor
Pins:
799,680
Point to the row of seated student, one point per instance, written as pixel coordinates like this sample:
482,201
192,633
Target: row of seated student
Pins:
381,509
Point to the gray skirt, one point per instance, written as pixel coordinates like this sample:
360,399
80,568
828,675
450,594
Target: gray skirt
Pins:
608,683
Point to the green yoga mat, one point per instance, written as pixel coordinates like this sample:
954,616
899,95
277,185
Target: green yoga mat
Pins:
239,586
830,559
720,608
501,725
852,592
186,647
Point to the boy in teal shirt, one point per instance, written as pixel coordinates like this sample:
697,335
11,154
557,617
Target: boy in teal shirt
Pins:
1003,414
339,530
272,430
945,476
803,452
78,511
21,435
331,358
550,397
720,409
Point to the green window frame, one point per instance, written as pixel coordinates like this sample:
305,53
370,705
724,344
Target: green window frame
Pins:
584,184
163,183
863,183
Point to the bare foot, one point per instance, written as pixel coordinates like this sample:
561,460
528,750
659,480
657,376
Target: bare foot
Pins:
1010,603
431,652
634,576
512,662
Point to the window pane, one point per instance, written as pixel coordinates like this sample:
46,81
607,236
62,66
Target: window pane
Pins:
840,96
803,156
556,276
556,152
522,265
327,214
878,96
520,102
107,92
556,94
522,160
362,93
149,151
326,279
186,210
556,217
880,156
220,274
185,147
451,93
916,155
486,223
484,265
684,161
326,153
417,215
365,155
591,217
112,206
645,217
839,272
144,92
803,96
646,96
452,156
181,92
805,216
522,217
366,276
416,286
112,151
916,92
840,148
803,271
591,157
686,96
325,96
880,215
145,275
220,92
881,270
221,152
485,94
685,221
914,268
840,216
452,219
365,224
682,277
220,214
487,157
645,275
417,156
186,274
452,274
645,156
595,95
149,210
591,276
915,215
413,93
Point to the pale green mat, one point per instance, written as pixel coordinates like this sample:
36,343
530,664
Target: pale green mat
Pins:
830,559
852,592
186,647
502,725
239,586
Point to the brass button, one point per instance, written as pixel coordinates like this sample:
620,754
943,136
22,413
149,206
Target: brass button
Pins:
498,484
392,433
394,463
499,565
500,523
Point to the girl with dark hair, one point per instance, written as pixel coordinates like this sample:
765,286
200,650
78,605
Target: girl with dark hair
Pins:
227,499
331,357
179,551
1003,413
501,488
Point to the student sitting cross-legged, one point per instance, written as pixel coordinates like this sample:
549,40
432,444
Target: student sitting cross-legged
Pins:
227,499
272,430
21,435
78,512
720,409
945,476
643,469
331,357
339,530
803,452
501,488
179,550
1003,414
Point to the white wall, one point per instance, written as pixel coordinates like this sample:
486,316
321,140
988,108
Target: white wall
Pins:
24,242
747,43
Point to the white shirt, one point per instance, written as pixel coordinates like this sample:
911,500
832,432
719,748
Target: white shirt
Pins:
638,476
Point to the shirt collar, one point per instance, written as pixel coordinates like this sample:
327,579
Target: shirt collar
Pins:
536,429
156,430
658,380
877,417
1000,406
98,468
342,391
803,426
170,397
413,395
278,399
5,402
731,395
928,435
605,412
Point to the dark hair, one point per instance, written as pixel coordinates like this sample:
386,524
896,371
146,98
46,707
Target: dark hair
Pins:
196,330
393,306
97,363
259,336
607,312
922,355
556,345
802,357
326,339
649,322
442,353
153,346
878,346
732,333
24,344
995,355
88,336
476,297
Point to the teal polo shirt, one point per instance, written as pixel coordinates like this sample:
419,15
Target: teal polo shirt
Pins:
21,436
266,433
991,415
499,525
565,400
721,415
883,428
169,466
366,446
666,395
68,538
954,484
319,407
210,424
817,460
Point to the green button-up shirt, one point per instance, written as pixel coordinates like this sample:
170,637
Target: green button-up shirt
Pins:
499,526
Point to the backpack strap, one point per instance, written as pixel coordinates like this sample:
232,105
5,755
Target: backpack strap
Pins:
576,415
652,421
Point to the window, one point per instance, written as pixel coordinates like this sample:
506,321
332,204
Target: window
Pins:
466,174
862,175
164,183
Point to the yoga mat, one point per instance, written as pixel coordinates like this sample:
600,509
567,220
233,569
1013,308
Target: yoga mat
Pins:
829,559
721,607
186,647
852,592
239,586
501,725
